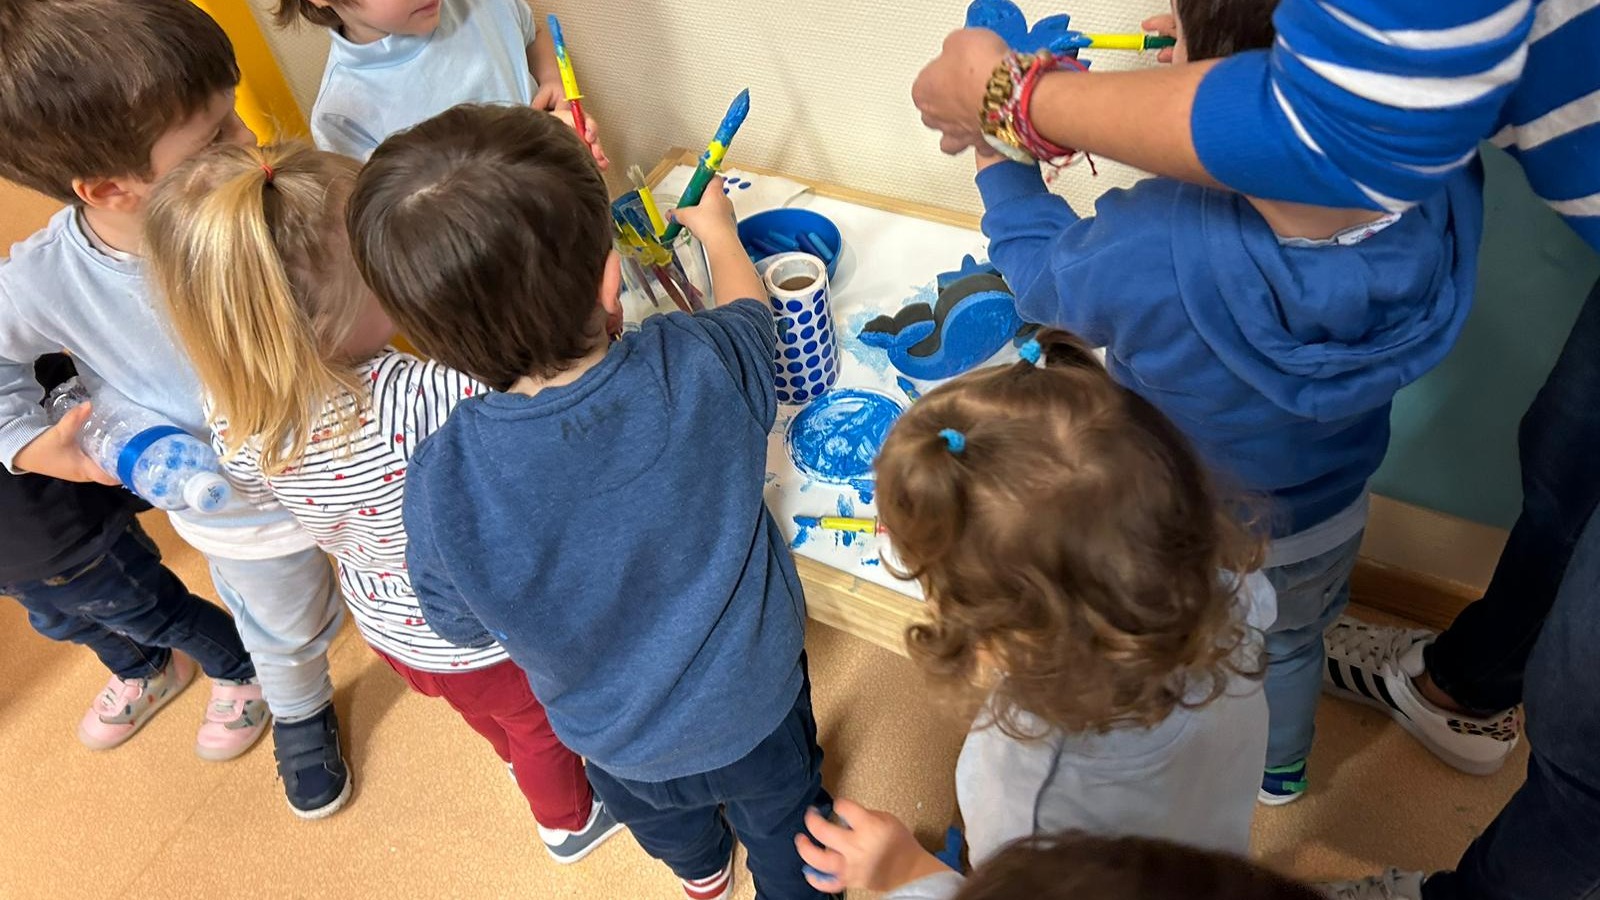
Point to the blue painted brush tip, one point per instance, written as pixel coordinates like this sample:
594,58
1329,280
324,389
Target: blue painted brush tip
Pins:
808,521
737,111
555,29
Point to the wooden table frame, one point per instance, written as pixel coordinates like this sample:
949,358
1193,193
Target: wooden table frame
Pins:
835,597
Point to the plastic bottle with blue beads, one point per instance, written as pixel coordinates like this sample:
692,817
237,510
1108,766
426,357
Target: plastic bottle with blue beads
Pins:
168,467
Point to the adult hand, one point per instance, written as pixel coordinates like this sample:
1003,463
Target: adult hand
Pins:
1165,25
949,91
874,852
56,452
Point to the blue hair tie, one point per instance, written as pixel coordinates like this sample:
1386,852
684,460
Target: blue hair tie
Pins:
954,440
1031,351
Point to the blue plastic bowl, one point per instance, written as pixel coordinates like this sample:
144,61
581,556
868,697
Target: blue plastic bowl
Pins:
788,230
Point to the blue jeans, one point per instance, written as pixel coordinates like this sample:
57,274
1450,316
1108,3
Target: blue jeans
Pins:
1311,595
1545,844
288,611
764,796
133,612
1479,660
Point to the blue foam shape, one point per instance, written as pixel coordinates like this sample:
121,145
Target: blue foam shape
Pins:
1004,18
972,319
838,436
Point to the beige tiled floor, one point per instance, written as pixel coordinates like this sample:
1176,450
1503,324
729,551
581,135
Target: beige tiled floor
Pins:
435,816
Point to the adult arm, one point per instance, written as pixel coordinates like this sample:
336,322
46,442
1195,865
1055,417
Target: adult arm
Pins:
1361,103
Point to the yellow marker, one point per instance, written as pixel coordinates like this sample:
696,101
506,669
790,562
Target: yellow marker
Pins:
840,523
1129,41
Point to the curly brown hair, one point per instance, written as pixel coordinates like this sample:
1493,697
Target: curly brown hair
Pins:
1074,544
1077,866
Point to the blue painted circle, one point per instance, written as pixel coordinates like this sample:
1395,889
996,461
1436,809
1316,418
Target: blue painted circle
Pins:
837,437
813,361
791,353
796,368
794,306
815,376
810,347
805,317
807,333
801,395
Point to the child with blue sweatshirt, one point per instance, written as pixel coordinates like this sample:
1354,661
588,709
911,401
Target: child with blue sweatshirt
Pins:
99,142
1274,335
394,63
602,518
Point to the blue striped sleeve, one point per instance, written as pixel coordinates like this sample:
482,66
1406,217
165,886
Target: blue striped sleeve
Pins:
1362,103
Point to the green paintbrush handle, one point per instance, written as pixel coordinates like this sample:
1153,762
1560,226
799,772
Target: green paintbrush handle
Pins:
691,197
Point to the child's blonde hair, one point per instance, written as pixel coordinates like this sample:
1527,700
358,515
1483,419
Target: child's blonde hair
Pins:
247,246
1065,535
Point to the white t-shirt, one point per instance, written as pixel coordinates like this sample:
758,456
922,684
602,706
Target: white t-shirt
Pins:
1191,779
347,496
477,54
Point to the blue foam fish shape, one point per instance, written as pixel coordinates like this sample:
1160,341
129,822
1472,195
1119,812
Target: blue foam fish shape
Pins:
974,316
1004,18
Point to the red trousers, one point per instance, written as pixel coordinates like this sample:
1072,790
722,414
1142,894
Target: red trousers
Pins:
499,704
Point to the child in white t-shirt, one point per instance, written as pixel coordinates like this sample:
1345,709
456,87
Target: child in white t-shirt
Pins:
394,63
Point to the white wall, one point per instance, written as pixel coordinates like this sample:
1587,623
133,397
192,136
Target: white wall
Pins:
830,82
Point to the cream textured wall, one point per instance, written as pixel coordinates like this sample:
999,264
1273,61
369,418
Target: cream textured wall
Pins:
830,82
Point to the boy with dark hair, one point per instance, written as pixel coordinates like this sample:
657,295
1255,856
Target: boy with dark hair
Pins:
87,573
1275,335
678,672
98,99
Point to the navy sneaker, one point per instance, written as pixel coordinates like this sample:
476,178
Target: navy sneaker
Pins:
315,777
570,846
1282,785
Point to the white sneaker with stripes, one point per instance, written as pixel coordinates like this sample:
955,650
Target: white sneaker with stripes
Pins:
1374,665
1394,884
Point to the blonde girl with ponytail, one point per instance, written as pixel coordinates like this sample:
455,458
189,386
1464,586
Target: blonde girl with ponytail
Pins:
310,403
1093,594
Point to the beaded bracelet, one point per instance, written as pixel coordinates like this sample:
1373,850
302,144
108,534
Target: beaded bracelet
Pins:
1007,116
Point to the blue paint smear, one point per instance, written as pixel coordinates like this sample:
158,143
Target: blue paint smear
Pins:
801,537
872,561
838,436
848,510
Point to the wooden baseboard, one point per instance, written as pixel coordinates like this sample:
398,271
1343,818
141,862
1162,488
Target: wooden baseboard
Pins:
1423,598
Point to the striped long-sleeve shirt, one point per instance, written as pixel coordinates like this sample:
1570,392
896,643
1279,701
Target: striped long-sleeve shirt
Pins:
1371,103
347,496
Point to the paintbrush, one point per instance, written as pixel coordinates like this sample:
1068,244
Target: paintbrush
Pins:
658,225
569,79
712,160
840,523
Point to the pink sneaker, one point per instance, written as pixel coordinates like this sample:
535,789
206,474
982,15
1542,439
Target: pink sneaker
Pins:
235,718
124,706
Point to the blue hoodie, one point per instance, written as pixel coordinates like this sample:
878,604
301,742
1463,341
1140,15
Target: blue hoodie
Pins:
1279,362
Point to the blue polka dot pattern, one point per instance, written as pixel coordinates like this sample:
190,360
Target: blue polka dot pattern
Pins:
807,362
